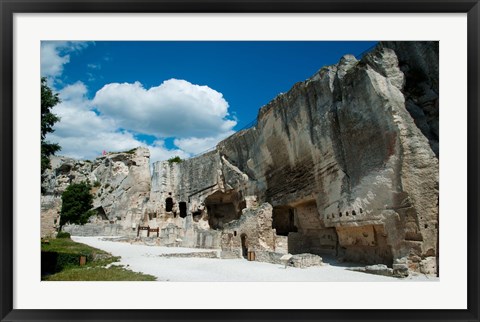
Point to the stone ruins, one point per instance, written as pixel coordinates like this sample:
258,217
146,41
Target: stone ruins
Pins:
343,165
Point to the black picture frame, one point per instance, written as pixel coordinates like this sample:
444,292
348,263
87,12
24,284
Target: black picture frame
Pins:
10,7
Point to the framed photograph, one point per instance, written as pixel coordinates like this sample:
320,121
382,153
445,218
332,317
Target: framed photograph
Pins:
235,160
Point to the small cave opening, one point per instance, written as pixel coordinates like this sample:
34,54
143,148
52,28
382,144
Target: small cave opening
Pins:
182,205
168,204
101,213
243,238
196,215
283,220
223,207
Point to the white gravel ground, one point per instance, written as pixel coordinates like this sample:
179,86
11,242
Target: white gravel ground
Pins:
146,259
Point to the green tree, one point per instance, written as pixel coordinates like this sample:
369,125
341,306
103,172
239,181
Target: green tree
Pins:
77,203
49,100
176,159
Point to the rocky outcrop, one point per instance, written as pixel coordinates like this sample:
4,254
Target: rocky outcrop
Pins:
345,164
120,186
419,63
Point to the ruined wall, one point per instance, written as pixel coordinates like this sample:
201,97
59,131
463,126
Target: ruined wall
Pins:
172,180
252,232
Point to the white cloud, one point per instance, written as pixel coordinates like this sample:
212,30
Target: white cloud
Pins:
176,108
74,93
94,66
55,54
158,151
51,60
91,146
196,116
195,145
84,134
81,132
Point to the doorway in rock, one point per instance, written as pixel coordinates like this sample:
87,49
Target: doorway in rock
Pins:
312,235
243,237
168,204
283,220
223,207
182,205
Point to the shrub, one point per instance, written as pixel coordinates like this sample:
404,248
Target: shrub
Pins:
63,234
176,159
97,184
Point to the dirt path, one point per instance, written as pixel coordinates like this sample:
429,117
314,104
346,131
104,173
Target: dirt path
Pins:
152,260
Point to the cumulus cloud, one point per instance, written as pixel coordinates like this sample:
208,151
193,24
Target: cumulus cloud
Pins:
196,116
84,133
81,132
158,151
55,54
176,108
196,145
91,146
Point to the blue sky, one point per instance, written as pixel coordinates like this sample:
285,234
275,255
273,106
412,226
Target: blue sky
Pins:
177,98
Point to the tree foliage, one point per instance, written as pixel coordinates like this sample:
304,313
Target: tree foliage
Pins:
77,203
48,100
175,159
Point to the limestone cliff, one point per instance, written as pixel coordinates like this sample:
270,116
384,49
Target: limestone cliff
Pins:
348,161
345,153
120,184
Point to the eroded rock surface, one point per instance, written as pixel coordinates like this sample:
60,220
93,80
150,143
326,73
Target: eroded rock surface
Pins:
345,164
120,186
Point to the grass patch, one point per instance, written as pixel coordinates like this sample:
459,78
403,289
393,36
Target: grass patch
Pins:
61,262
68,246
63,235
113,273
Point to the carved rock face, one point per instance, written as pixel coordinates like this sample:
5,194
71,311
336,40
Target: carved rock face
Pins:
348,160
345,143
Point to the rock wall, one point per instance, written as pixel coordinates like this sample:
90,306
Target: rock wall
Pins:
346,160
50,215
346,152
120,185
252,232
